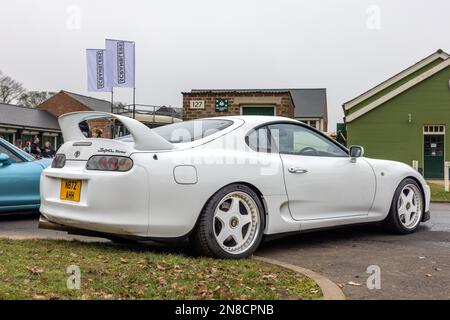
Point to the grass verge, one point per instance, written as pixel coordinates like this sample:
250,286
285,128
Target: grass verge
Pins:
36,269
438,193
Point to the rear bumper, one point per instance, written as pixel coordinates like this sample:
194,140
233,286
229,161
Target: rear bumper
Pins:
45,223
110,202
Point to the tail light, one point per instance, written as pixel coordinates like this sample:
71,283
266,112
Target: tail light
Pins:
59,161
109,163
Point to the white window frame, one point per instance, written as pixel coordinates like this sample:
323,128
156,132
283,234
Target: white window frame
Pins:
307,121
434,129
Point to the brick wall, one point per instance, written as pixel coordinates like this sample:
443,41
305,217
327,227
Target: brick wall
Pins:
62,103
282,101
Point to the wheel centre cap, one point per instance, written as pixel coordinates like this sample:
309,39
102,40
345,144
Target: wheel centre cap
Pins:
234,222
408,205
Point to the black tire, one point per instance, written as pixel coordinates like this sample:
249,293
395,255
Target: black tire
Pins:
203,239
392,223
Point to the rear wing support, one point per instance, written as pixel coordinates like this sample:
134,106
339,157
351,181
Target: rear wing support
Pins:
145,139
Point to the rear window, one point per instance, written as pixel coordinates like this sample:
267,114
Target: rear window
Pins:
189,131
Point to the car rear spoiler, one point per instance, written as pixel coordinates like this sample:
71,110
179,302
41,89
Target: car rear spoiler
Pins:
144,138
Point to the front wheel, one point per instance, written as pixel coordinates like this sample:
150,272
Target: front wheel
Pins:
406,209
231,224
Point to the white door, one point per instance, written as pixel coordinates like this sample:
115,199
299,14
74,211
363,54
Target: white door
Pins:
321,180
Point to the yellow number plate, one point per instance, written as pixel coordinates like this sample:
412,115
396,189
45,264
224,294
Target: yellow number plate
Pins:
70,190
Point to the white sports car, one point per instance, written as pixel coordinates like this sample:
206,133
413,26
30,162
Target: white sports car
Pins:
224,183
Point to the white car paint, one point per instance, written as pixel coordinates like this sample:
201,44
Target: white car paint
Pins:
166,189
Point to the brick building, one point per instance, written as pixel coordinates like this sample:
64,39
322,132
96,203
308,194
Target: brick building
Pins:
65,102
19,123
23,123
307,105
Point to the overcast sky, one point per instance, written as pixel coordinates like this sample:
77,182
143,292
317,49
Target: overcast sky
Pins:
346,46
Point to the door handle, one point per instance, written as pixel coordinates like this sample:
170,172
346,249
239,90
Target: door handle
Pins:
297,170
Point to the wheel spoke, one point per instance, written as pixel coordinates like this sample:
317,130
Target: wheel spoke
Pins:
407,216
237,235
410,196
402,209
234,206
222,215
404,199
224,234
245,219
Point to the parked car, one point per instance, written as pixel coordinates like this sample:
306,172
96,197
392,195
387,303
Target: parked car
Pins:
223,183
19,179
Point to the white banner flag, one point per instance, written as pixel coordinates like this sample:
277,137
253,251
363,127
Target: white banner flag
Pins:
96,71
121,62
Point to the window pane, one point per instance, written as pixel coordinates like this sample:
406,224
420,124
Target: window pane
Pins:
299,140
258,140
12,156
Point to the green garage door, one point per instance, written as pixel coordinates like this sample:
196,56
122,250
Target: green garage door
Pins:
434,156
258,111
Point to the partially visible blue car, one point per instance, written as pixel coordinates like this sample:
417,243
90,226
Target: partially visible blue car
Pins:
19,179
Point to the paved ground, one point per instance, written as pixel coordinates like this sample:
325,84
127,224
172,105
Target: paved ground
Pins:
415,266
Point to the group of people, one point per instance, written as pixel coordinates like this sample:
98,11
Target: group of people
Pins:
35,149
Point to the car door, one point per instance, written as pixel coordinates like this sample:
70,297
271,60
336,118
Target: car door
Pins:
19,181
322,182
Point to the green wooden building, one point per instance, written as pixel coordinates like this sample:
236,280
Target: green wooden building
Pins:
406,117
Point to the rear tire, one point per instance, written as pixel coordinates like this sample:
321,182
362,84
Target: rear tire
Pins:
407,208
231,224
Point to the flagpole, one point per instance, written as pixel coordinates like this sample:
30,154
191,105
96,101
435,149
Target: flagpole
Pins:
112,99
134,81
112,111
134,102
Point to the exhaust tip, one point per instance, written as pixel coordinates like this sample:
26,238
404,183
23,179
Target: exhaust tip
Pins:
44,223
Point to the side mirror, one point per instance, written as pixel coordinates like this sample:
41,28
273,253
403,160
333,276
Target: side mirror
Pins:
356,152
4,159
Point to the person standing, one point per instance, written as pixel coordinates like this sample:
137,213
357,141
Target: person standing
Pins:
27,147
99,132
18,144
48,151
35,148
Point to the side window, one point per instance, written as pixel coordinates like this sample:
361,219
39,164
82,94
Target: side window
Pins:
299,140
13,156
258,140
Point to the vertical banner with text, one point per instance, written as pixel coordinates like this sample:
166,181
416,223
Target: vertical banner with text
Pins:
97,71
121,62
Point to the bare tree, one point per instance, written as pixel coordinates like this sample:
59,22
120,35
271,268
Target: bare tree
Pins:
33,98
10,90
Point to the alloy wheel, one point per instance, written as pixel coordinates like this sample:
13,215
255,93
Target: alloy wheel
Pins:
236,222
410,206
